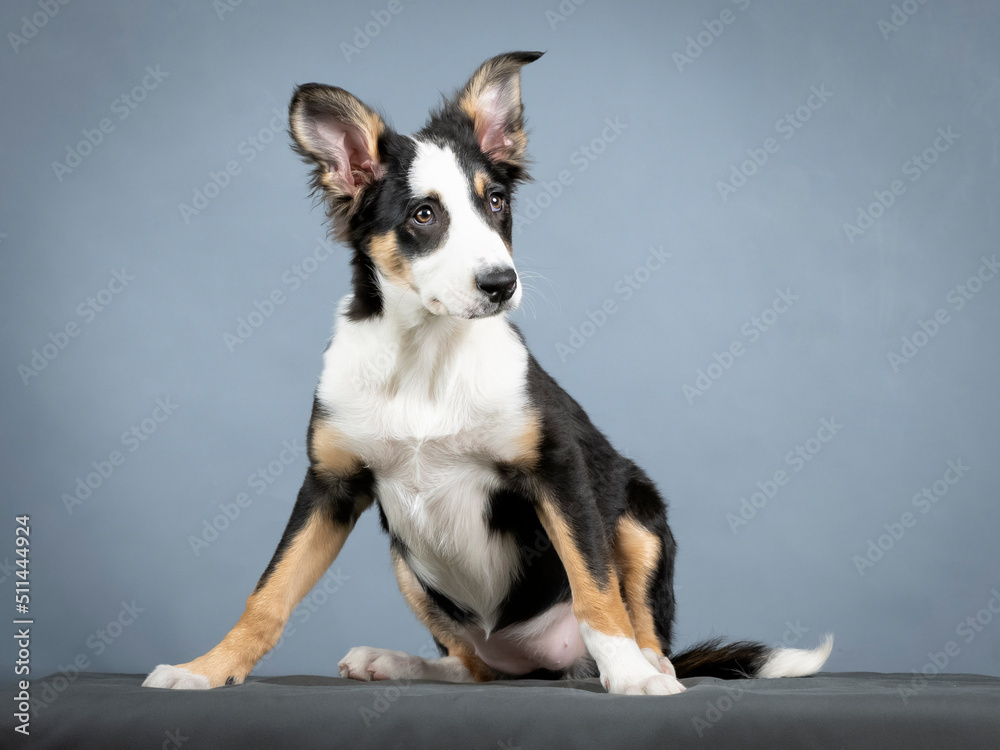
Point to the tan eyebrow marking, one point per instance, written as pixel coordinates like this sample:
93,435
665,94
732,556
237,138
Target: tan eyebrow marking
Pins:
479,182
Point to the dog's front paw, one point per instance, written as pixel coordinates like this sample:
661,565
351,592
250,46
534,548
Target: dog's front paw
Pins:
627,670
365,663
660,663
653,675
177,678
214,669
644,684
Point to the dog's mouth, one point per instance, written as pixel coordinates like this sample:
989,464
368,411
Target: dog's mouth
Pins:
482,294
485,310
482,309
490,309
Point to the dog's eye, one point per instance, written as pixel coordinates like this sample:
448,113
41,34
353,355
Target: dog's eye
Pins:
496,202
423,215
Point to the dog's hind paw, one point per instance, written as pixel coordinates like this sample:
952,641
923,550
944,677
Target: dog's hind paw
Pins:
177,678
365,663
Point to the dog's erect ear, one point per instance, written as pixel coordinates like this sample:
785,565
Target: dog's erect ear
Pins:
340,134
492,98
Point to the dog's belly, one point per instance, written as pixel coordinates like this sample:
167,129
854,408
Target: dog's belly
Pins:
549,641
434,494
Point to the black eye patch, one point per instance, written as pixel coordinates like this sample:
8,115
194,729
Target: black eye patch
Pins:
418,238
499,218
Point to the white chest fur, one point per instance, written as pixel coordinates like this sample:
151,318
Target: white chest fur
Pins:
430,408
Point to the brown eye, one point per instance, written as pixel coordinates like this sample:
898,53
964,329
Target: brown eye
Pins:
423,215
496,202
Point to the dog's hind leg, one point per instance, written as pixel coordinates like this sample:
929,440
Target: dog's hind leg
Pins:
640,559
335,492
461,664
598,603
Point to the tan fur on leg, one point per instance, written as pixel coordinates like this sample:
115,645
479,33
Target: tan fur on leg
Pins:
600,607
637,553
268,608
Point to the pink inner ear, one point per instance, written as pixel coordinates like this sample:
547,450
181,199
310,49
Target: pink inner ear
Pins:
492,122
345,149
492,139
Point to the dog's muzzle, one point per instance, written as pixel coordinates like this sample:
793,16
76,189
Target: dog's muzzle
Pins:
498,284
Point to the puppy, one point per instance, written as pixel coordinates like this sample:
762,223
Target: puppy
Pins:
520,537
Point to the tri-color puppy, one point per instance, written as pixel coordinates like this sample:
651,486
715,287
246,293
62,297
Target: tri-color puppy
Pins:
520,537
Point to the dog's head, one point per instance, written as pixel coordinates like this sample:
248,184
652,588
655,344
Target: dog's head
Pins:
429,212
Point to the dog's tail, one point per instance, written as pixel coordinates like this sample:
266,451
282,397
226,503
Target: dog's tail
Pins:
741,659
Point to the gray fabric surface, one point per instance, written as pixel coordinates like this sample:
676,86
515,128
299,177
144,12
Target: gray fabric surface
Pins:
856,711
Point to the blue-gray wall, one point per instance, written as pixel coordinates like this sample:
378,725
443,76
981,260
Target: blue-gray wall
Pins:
755,229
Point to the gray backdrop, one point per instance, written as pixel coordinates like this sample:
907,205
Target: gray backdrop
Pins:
761,250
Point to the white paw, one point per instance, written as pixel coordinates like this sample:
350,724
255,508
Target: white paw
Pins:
660,663
178,678
365,663
654,684
625,669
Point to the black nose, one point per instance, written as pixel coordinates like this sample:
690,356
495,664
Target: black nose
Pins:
498,284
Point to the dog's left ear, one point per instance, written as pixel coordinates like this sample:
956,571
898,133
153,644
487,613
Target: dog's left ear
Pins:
492,98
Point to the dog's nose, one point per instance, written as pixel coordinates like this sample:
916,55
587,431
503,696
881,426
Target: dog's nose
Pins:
498,284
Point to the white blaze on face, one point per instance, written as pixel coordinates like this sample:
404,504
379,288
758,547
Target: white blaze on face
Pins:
446,278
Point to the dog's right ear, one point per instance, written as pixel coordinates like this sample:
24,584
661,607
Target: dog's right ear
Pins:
339,134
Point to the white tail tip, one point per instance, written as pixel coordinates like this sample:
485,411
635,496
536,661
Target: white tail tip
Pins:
796,662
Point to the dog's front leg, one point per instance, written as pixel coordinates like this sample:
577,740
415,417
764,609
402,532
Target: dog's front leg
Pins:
597,602
325,512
